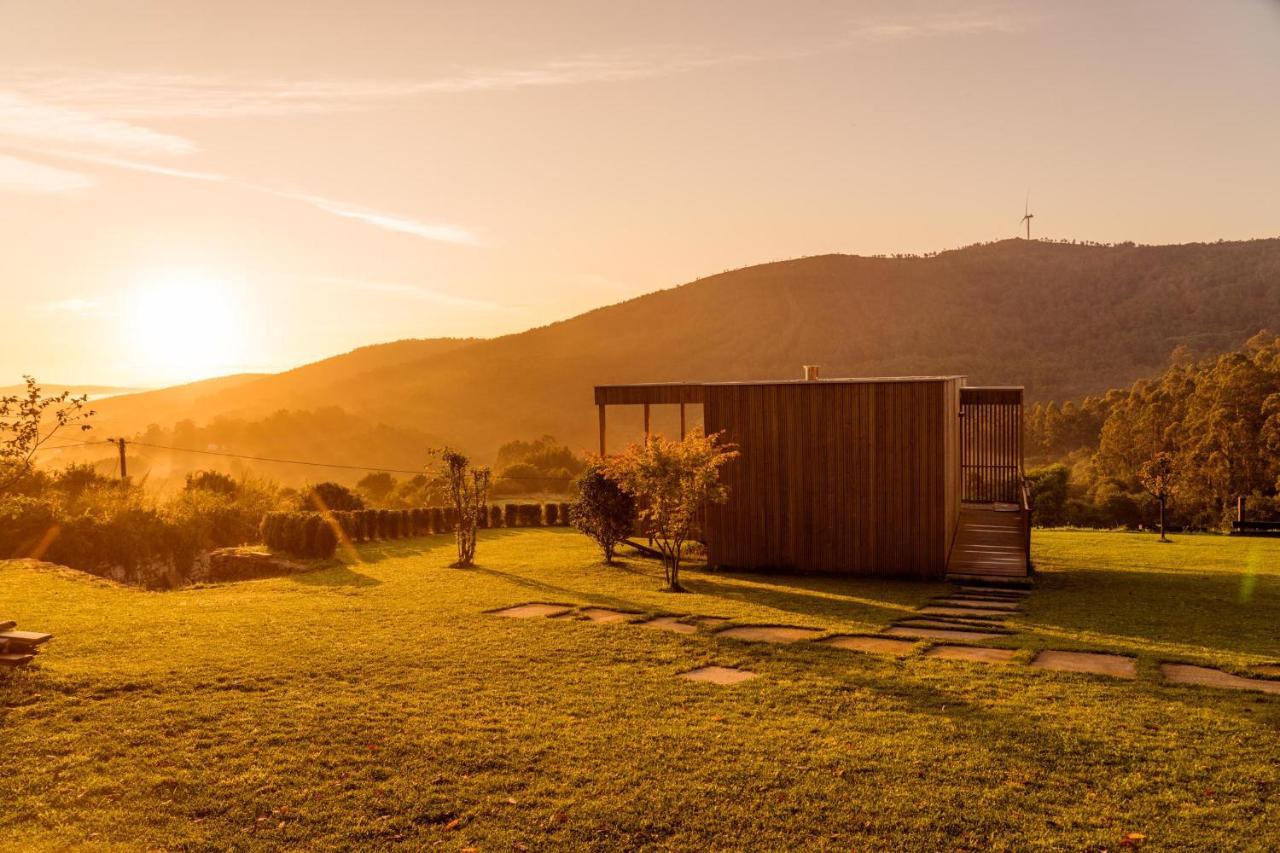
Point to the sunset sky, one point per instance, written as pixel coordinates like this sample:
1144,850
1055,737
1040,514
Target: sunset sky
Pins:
197,188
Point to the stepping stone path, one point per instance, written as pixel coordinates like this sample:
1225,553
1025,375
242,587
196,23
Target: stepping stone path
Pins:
974,654
873,645
670,623
1116,666
970,615
770,633
719,675
605,616
534,611
1182,673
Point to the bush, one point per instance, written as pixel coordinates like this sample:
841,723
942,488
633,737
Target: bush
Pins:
530,515
437,521
495,516
212,481
509,515
552,514
603,510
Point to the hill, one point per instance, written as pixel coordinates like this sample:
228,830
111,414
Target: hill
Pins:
1063,319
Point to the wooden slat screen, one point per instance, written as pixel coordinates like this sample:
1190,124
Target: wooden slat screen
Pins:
991,444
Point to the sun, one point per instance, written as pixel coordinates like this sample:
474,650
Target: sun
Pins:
185,325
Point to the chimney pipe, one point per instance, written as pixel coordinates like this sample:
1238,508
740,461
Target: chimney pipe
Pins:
811,372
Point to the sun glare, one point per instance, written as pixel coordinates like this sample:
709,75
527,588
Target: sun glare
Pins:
185,326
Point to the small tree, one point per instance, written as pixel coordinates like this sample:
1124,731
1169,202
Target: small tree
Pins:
377,486
329,496
469,493
1159,476
24,430
603,510
671,482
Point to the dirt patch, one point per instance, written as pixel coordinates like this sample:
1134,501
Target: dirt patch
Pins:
605,616
1116,666
533,611
976,654
874,645
956,633
770,633
718,675
1182,673
670,623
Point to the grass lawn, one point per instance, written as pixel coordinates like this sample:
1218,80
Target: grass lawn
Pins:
375,704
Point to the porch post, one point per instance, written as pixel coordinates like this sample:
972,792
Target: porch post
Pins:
646,423
602,430
682,421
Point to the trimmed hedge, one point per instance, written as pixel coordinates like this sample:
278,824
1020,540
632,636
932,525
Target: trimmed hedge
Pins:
307,534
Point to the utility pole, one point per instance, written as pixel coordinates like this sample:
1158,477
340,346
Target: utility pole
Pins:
124,465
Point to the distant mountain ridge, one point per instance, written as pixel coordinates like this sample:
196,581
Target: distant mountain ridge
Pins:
1065,320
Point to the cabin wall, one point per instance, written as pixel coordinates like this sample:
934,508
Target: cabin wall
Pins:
843,478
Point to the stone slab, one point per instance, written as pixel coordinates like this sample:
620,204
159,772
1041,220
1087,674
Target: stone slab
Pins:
1182,673
719,675
533,611
1095,663
975,654
872,645
970,612
995,590
770,633
670,623
945,622
605,616
939,633
976,604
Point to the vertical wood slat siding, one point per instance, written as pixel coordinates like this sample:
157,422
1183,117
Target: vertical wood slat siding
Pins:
852,478
991,444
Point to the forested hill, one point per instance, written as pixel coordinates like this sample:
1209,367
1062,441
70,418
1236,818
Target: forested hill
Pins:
1063,319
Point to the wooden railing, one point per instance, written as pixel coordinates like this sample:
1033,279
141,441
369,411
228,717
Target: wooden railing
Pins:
991,445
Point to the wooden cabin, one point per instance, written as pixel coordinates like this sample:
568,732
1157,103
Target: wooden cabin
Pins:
915,476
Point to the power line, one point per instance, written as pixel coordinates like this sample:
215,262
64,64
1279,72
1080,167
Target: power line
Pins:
314,464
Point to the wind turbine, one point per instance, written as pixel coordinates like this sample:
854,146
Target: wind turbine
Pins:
1027,215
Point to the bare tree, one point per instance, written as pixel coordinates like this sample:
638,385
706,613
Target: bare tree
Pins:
468,489
24,430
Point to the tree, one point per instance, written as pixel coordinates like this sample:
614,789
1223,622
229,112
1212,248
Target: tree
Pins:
376,487
332,497
212,481
469,493
671,482
1158,476
23,430
603,510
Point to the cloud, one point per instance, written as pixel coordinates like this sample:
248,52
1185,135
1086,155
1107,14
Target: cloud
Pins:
441,233
940,24
409,292
24,176
143,96
29,121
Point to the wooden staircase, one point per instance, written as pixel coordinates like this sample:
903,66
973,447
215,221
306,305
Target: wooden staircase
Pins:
991,545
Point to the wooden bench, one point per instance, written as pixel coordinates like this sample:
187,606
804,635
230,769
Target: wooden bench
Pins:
18,648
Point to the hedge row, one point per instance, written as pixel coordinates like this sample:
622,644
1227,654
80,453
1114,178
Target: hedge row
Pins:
306,534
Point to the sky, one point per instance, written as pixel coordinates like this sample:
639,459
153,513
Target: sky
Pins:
190,189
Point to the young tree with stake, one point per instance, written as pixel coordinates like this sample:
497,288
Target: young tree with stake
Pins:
468,490
1159,476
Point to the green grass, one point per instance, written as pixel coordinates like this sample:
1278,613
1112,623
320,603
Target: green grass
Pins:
375,704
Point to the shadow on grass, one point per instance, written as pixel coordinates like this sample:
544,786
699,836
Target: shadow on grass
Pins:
1214,610
343,575
876,601
566,594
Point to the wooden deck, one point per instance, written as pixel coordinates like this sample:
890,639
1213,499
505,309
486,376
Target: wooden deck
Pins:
990,546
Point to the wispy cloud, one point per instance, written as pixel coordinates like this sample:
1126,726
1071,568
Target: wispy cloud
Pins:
442,233
34,121
966,23
409,292
142,96
25,176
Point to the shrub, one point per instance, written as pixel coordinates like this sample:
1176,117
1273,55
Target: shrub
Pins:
495,516
437,521
509,515
482,516
603,510
530,515
372,530
331,496
552,514
211,481
385,528
24,523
